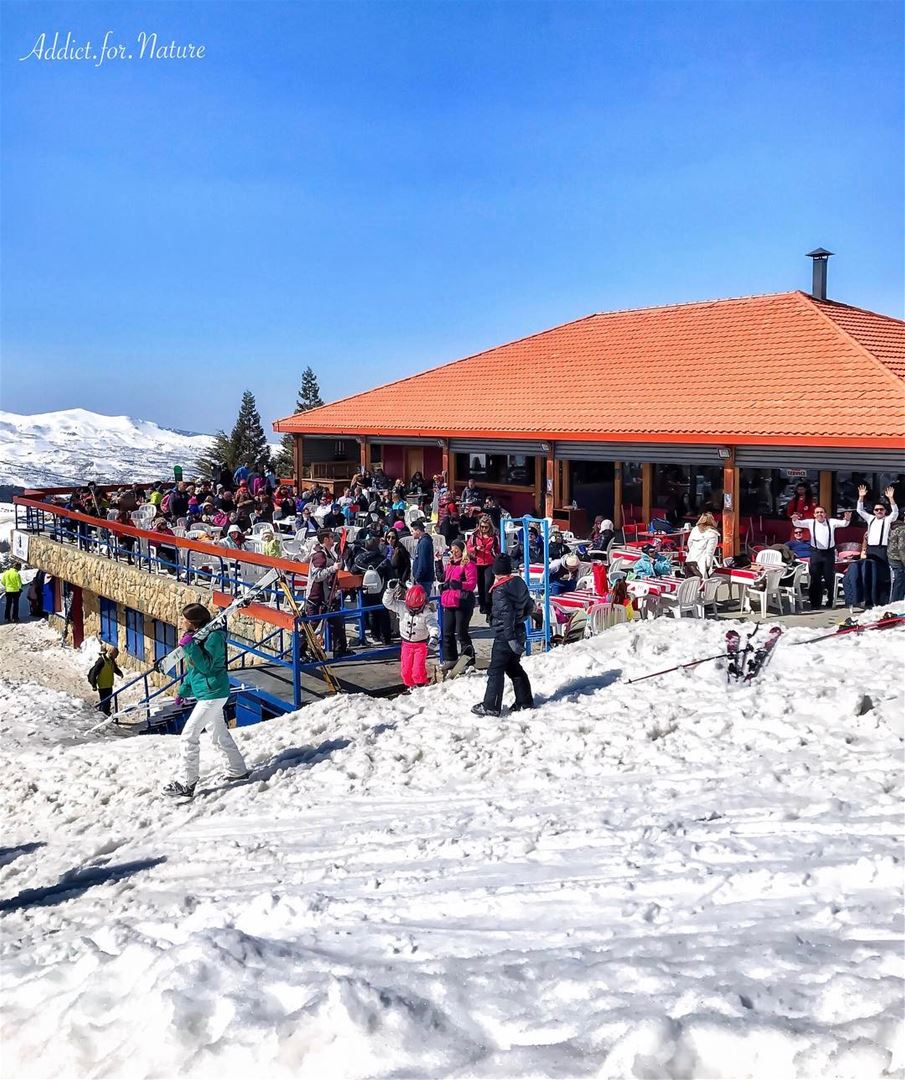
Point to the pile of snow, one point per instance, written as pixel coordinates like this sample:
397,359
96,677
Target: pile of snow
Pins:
73,446
677,878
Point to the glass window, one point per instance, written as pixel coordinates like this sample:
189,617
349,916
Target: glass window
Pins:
631,491
767,492
164,639
135,633
515,470
845,488
109,621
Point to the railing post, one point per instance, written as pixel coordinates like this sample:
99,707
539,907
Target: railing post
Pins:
296,672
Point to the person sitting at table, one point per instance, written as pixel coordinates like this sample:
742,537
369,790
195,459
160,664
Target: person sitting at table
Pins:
557,547
800,544
619,595
535,553
701,549
564,574
271,544
602,533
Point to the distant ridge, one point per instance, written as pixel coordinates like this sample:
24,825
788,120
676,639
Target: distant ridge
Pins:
75,445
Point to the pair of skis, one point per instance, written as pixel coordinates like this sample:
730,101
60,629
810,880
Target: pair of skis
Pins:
746,662
886,621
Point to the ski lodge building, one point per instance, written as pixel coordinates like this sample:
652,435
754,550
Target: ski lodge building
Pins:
723,405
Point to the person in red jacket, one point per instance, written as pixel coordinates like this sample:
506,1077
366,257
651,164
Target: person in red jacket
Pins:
483,547
803,503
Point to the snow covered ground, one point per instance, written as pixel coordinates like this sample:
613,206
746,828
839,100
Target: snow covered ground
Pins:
74,445
677,878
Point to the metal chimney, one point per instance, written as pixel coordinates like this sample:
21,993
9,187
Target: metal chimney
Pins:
818,277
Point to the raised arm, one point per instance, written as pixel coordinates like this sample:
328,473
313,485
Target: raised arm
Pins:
862,513
893,509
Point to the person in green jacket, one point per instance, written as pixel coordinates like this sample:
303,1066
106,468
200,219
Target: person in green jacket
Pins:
102,674
207,681
11,580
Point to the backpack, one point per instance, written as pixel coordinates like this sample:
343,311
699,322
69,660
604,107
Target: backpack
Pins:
372,582
165,503
738,562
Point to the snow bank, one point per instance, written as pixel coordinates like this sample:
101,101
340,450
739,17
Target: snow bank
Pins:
677,878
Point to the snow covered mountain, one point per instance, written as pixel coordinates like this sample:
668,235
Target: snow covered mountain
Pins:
74,445
674,878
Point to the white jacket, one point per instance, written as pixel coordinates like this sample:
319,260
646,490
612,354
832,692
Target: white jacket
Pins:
413,625
702,548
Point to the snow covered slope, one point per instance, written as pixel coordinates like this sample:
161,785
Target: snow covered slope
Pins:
678,878
57,448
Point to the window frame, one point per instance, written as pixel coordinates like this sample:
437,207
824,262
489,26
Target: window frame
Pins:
109,616
135,633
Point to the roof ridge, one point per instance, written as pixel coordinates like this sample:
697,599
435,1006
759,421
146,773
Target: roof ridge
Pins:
815,305
697,303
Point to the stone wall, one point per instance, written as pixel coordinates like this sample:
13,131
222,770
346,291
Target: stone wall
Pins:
156,596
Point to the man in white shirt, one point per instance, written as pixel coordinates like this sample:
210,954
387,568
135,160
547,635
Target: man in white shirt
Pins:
876,583
822,560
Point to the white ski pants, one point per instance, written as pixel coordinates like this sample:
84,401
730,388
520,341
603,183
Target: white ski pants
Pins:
209,714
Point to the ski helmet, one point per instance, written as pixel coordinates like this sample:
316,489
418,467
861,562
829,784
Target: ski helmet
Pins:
415,598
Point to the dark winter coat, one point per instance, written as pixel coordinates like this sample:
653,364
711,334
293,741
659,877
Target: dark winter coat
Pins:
423,564
398,565
511,604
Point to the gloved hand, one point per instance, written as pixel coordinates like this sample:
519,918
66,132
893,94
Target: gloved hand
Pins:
454,584
186,638
516,646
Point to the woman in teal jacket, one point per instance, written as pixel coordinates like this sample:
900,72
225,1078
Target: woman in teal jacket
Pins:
207,681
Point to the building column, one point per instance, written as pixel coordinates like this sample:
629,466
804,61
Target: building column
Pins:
444,459
647,491
565,483
617,494
450,466
363,447
730,505
298,454
550,485
825,494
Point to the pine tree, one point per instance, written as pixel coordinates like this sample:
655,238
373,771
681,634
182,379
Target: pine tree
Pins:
309,392
308,397
248,441
218,454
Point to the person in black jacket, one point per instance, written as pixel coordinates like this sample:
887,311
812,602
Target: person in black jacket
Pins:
377,618
511,604
397,562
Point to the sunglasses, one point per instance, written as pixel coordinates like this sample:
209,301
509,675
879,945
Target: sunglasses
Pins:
879,509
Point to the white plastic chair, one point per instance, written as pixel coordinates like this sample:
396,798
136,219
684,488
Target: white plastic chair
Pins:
685,599
708,597
603,616
768,557
792,589
409,543
440,545
261,526
770,583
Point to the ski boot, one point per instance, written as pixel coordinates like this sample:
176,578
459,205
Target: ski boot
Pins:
176,788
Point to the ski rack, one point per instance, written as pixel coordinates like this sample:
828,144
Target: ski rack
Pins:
539,590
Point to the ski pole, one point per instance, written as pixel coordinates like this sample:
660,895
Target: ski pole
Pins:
678,667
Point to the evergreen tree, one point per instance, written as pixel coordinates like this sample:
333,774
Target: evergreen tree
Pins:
219,453
248,441
308,397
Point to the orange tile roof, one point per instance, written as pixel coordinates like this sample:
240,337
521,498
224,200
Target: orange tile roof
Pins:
782,368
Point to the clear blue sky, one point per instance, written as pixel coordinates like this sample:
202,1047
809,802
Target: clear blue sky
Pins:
375,188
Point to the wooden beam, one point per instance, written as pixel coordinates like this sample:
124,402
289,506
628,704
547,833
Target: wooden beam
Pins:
647,490
549,485
730,507
298,448
825,494
450,460
363,453
444,459
617,494
565,482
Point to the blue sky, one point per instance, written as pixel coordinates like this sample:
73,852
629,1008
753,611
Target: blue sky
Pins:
375,188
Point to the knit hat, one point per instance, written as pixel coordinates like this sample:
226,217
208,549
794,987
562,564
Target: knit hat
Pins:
502,565
571,561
